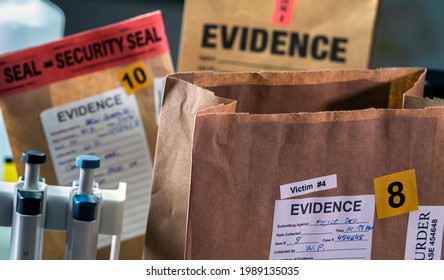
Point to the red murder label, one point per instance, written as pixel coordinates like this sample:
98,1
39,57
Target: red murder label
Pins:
118,44
283,12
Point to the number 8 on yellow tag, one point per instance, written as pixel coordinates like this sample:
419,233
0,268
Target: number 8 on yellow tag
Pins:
396,194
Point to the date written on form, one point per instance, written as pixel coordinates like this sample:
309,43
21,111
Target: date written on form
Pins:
323,228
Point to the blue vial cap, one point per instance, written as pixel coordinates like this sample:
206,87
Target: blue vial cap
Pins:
84,207
88,161
33,157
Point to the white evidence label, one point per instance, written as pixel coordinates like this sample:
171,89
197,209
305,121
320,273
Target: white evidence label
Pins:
317,228
109,126
424,233
308,186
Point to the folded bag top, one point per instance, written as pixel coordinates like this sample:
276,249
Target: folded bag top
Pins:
229,140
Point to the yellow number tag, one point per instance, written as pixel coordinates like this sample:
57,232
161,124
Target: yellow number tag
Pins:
396,194
134,78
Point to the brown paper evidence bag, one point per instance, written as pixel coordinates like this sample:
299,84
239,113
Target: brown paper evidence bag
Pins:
76,69
227,141
232,35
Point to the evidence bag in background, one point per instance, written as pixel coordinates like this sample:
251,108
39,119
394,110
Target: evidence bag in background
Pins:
232,35
297,165
93,92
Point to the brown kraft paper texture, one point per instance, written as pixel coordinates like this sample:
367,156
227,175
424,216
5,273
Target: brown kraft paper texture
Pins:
22,119
230,35
233,170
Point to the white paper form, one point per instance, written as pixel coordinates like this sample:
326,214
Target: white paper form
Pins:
109,126
330,228
425,233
